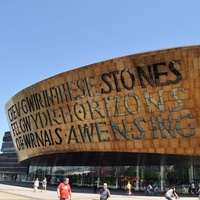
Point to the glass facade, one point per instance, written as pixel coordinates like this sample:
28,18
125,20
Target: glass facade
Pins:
118,176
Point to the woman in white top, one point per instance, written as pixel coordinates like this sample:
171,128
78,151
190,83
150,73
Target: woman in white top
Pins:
44,185
36,185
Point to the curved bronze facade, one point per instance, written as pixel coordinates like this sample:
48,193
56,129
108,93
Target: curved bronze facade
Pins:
141,105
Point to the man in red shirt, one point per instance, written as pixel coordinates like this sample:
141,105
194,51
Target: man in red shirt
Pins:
64,190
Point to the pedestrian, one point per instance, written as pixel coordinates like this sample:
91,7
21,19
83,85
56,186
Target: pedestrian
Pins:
58,180
189,189
192,188
104,192
64,190
128,188
198,191
95,186
36,185
171,193
44,184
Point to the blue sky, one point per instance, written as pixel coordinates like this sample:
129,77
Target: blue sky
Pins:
42,38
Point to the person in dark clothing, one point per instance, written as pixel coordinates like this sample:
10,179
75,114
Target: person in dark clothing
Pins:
189,189
95,186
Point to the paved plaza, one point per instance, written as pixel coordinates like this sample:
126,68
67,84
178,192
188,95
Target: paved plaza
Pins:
16,192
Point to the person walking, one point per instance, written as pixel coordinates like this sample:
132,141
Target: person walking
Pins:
198,191
189,189
104,192
36,185
44,184
128,188
64,190
192,188
58,180
171,193
95,186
